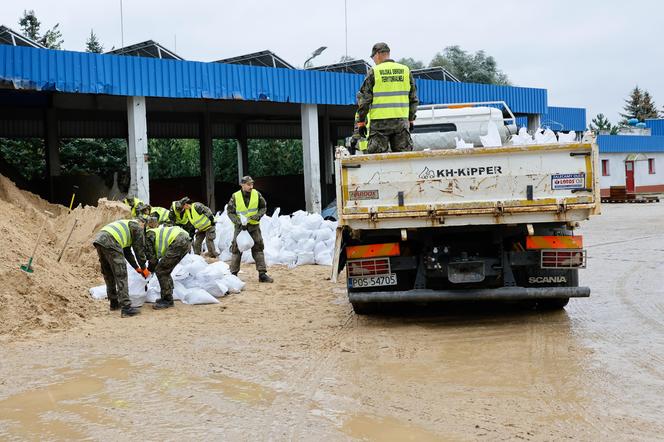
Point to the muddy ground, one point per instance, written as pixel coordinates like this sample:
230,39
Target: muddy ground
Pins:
290,361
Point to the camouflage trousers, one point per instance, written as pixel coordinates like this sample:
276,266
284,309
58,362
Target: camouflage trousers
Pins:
177,250
391,133
209,235
256,250
114,270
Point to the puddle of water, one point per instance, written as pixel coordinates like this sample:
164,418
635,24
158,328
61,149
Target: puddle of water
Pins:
242,391
368,427
60,410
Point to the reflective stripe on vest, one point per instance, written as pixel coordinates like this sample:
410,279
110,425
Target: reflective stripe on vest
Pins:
164,237
241,209
180,219
119,230
390,91
161,213
199,220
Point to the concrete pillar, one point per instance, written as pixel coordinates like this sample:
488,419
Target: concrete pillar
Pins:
310,152
137,148
242,151
52,148
207,167
534,122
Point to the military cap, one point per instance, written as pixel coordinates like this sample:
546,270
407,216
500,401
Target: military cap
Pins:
246,180
379,47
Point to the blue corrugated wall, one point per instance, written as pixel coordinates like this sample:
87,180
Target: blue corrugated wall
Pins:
565,118
81,72
656,126
630,143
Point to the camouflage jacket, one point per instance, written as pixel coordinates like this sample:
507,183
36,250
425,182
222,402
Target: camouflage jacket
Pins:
232,210
105,239
365,97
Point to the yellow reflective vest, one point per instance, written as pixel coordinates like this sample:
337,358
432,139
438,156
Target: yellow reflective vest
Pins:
180,218
133,204
120,231
390,91
241,209
363,142
160,213
199,220
164,237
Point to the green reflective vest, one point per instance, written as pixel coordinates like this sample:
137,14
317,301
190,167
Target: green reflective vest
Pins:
160,213
199,220
120,231
241,209
180,218
390,91
164,237
133,203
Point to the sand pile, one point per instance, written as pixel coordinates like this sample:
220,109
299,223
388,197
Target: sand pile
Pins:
56,294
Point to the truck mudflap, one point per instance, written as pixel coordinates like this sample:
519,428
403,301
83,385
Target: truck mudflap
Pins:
499,294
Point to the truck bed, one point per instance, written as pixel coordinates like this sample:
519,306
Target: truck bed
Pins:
498,185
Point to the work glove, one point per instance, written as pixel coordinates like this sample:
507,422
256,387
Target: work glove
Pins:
146,273
362,130
139,270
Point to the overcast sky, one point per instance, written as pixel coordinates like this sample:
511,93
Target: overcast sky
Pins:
585,53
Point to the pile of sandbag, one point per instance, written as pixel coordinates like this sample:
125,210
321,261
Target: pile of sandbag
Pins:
293,240
195,282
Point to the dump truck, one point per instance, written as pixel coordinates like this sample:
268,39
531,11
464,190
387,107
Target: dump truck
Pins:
464,224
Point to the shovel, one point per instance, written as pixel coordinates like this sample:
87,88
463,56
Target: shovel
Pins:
28,267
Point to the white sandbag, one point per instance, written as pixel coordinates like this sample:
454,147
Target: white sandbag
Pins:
179,290
226,255
137,300
153,283
190,282
330,243
193,263
286,257
324,259
312,221
329,224
213,288
298,217
223,288
324,234
244,241
137,286
298,233
285,223
179,272
198,296
98,292
306,245
234,284
492,138
152,295
320,248
247,257
216,270
305,258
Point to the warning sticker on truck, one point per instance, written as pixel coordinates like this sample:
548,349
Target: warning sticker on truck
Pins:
568,181
363,195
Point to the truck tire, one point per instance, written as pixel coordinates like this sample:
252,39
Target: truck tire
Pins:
551,304
365,308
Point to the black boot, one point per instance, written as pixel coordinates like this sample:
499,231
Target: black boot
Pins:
263,277
115,304
162,304
129,311
234,273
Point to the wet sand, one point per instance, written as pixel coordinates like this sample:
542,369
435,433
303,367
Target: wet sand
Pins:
290,361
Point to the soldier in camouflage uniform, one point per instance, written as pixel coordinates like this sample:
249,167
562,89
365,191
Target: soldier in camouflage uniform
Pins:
165,247
201,219
114,243
249,202
393,116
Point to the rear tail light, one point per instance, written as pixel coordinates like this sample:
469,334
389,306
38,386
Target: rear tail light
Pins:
369,267
373,250
563,259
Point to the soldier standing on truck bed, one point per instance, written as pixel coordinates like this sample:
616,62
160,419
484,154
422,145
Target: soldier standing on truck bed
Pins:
387,98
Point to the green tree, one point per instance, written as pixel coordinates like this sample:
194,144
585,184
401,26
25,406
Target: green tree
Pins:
170,158
30,26
639,105
92,44
602,124
472,68
27,156
411,63
91,156
224,154
275,157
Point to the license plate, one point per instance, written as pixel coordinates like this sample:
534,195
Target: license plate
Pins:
357,282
